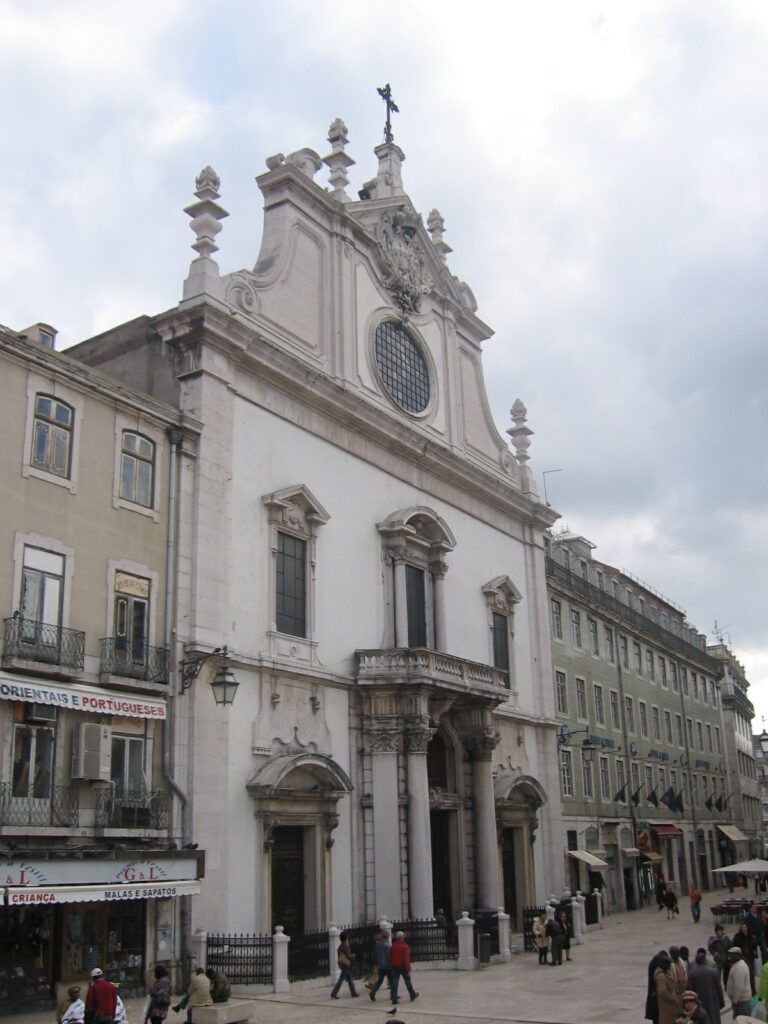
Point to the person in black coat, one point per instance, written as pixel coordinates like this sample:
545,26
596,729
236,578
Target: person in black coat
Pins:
748,946
705,982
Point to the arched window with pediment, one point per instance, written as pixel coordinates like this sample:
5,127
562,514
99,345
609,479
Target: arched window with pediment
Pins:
416,542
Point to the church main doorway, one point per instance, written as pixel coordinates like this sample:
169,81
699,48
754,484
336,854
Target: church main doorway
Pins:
288,879
510,876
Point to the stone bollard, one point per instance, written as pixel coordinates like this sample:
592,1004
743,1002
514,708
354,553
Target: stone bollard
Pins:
333,944
200,948
504,949
599,902
280,942
466,928
579,917
551,907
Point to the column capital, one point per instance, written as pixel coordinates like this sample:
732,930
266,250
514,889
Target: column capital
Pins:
384,741
481,743
416,738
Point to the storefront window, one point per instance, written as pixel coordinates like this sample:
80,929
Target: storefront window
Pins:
25,954
106,936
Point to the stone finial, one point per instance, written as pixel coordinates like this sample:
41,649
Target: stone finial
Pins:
520,435
389,179
337,160
436,227
205,214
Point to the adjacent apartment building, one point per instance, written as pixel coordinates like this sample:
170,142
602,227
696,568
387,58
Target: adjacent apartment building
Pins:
644,772
91,873
369,550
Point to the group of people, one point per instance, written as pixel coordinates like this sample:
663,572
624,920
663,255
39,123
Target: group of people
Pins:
679,991
392,962
103,1005
552,937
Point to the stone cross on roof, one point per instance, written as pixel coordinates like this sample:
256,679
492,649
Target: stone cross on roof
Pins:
392,108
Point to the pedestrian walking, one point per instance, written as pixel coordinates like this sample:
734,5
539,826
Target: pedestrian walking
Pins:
344,958
556,935
747,943
692,1010
667,992
660,888
75,1011
718,946
670,902
705,982
101,999
400,967
694,897
381,956
540,940
159,997
738,987
121,1017
679,969
568,934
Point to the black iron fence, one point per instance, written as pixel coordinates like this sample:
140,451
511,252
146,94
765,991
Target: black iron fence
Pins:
430,940
140,810
362,938
123,657
60,806
529,916
245,959
42,641
308,956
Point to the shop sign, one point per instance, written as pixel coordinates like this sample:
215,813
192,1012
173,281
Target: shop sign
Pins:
82,698
642,837
50,895
155,871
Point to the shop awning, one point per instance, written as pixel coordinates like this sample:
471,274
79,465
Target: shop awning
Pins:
43,895
587,858
666,830
630,851
733,833
96,700
652,856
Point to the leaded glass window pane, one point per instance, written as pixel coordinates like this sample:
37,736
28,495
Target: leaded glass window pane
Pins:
291,576
402,367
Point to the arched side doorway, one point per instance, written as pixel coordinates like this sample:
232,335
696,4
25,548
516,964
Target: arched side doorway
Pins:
518,799
296,798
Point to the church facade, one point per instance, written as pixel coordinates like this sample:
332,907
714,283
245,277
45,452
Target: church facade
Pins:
369,550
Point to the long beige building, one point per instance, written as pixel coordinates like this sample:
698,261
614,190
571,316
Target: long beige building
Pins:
91,871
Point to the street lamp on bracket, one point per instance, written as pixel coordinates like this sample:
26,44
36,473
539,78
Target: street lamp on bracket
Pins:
223,684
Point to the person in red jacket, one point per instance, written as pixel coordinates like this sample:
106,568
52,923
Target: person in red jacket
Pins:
101,1000
400,967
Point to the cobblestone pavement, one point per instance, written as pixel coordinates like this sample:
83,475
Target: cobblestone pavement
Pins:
604,984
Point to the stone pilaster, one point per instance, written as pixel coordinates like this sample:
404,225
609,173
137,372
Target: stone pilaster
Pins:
384,744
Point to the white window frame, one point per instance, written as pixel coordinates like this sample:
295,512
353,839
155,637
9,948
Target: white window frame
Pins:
655,723
566,772
599,701
587,778
155,602
501,598
37,540
37,384
561,678
642,708
135,424
581,699
605,777
614,703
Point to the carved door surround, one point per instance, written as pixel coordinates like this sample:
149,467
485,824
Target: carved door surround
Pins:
300,790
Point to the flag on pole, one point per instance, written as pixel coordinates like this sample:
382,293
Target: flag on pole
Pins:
652,798
621,796
668,798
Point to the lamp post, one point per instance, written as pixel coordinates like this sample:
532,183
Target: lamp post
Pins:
224,684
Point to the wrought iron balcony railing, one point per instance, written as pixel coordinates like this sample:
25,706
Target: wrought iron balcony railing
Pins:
121,657
140,810
43,642
61,807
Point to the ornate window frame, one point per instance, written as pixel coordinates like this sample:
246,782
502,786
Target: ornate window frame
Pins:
501,597
416,536
294,511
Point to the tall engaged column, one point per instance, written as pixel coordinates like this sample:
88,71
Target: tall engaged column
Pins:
386,821
401,600
481,746
438,570
419,835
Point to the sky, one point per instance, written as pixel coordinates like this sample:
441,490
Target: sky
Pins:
601,168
